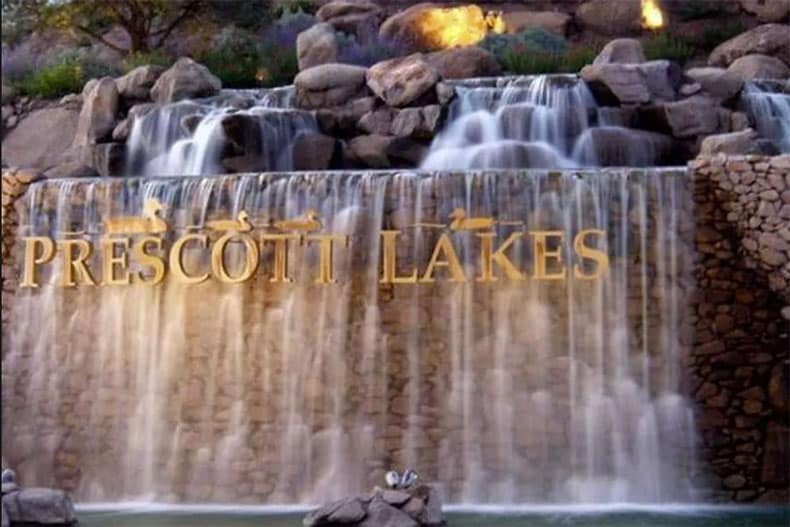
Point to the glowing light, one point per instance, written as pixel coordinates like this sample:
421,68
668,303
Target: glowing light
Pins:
652,16
451,27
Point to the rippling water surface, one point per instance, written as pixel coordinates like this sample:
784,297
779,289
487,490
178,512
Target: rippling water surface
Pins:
572,516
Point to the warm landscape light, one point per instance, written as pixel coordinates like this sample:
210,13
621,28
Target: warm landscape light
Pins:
459,26
652,16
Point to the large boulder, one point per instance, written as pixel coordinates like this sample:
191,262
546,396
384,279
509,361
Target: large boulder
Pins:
360,18
695,116
734,143
316,152
382,514
370,150
621,51
419,123
717,82
343,120
329,85
345,511
41,138
656,80
753,67
610,18
317,45
401,28
136,85
186,79
552,21
399,82
464,63
99,110
39,506
768,39
767,10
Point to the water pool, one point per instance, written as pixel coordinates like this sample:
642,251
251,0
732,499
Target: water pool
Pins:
571,516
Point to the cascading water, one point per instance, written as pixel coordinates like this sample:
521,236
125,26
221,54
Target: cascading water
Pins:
507,392
768,104
192,137
547,121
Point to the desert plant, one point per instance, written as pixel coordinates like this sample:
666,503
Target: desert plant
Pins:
669,47
65,72
133,60
716,33
234,57
536,40
523,61
279,64
372,50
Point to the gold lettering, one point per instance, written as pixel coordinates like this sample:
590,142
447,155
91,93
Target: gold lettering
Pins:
142,257
177,259
326,256
488,257
444,246
110,261
590,253
389,260
280,255
251,253
76,265
32,259
543,254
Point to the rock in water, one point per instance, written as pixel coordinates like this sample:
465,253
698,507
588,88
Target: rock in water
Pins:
345,511
39,506
382,514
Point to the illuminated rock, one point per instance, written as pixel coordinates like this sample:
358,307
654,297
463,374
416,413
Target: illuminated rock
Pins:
399,82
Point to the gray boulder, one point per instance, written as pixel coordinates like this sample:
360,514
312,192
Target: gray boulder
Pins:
355,17
121,131
369,150
40,139
752,67
343,512
399,82
316,46
186,79
717,82
695,116
555,22
99,109
71,169
621,51
768,39
735,143
315,152
329,85
656,80
767,10
377,121
136,85
401,28
382,514
610,18
419,123
464,63
39,506
343,120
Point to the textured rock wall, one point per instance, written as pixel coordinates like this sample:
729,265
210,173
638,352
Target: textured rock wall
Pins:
739,366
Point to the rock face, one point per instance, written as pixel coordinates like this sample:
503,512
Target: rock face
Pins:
329,85
400,28
316,152
717,82
610,18
317,45
39,506
551,21
768,39
185,79
41,138
399,82
634,83
418,506
136,85
697,115
99,110
755,66
621,51
767,10
358,18
735,143
464,63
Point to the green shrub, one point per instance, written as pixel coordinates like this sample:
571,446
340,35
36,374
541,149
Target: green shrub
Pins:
716,33
64,73
294,6
235,58
134,60
536,40
523,61
669,47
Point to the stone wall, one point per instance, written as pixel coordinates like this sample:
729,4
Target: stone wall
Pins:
739,363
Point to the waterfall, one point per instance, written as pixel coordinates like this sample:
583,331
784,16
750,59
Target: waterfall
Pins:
191,137
507,392
546,121
768,104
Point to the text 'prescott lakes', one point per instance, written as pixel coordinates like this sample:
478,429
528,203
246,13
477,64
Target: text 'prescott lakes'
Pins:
136,250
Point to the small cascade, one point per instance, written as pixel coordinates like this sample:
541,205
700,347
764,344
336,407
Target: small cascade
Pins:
514,391
768,104
546,121
236,131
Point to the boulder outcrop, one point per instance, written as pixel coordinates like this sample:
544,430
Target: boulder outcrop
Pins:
186,79
316,46
768,39
402,81
329,85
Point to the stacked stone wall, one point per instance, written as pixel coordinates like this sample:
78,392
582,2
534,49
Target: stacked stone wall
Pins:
739,363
